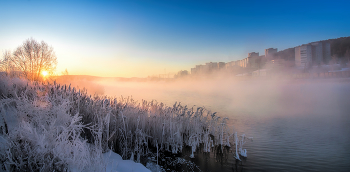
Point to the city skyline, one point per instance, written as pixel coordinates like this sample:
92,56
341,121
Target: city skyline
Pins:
138,39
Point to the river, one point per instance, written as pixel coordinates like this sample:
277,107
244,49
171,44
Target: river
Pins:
296,125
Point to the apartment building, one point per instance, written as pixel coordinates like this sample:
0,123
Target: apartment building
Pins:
315,53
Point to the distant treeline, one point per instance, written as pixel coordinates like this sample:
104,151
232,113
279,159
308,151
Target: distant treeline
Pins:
340,47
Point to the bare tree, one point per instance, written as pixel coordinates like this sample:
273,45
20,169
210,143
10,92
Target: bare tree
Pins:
32,58
6,65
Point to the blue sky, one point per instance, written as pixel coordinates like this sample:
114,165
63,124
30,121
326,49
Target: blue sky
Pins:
141,38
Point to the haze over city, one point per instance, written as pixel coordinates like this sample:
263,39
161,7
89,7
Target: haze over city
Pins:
144,38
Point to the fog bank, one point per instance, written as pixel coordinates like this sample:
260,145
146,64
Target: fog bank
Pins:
256,96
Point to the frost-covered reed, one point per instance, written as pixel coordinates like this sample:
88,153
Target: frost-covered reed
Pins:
60,126
40,134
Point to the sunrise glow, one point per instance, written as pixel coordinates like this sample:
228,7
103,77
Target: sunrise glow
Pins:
140,39
44,73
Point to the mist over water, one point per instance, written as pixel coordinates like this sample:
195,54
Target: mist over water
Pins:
259,97
297,124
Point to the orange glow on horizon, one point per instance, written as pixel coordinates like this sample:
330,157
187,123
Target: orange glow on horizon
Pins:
117,68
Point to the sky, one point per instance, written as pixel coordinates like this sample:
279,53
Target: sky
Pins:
150,37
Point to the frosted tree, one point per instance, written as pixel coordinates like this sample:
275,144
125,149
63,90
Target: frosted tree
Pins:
30,59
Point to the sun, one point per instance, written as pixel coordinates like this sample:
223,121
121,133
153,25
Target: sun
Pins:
44,73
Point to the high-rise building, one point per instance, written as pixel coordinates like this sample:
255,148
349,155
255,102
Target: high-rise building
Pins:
315,53
221,65
326,52
253,54
303,55
269,53
252,59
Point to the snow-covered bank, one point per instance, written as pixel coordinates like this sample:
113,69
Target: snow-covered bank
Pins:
58,128
114,163
38,135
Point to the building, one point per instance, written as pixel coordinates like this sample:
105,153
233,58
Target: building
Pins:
269,53
198,69
315,53
326,49
303,55
253,54
275,64
207,68
252,60
211,66
193,71
243,62
221,65
181,73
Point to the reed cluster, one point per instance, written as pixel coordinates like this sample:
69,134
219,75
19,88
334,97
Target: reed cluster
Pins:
57,127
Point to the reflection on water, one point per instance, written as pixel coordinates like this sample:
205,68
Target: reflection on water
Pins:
298,125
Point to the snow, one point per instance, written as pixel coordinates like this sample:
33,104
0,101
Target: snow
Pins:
9,115
115,163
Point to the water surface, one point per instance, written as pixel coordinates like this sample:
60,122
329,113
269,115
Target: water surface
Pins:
297,125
